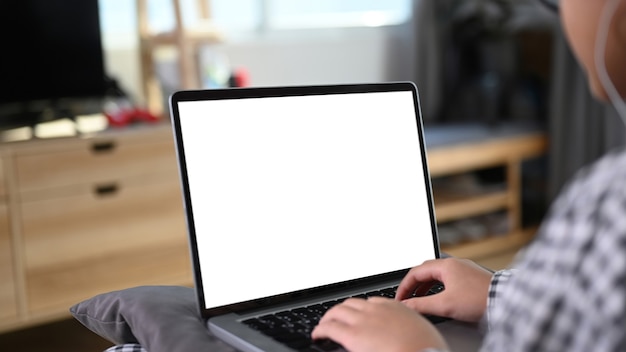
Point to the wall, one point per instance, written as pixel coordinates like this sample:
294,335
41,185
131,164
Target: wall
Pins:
349,55
324,56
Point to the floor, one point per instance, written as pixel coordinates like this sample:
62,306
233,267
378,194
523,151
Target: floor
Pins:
64,336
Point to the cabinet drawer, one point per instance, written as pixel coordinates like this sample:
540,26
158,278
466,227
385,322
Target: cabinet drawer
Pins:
85,244
93,161
81,227
8,303
56,288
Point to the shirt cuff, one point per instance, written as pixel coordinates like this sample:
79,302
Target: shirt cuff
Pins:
498,283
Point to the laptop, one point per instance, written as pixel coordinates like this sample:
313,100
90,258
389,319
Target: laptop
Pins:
299,197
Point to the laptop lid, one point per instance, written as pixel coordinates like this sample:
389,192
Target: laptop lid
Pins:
290,191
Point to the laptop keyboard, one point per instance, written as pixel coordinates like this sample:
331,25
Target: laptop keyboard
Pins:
293,327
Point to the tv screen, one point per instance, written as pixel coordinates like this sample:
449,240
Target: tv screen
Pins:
51,50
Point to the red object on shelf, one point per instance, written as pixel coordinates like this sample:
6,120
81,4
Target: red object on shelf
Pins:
240,78
120,114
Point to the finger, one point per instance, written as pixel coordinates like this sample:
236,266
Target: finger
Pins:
356,303
432,305
377,299
376,302
428,272
347,312
334,330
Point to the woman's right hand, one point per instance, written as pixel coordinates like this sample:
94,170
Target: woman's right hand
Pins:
466,289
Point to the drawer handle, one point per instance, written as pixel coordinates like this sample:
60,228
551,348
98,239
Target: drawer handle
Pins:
106,190
103,147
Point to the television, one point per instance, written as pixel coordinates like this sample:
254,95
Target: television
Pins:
52,57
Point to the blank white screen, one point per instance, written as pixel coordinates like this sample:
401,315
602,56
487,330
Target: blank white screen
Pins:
297,192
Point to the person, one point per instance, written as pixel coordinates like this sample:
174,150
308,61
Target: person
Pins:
568,289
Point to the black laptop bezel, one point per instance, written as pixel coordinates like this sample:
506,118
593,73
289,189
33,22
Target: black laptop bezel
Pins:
283,91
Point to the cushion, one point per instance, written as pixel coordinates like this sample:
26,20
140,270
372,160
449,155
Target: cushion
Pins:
160,318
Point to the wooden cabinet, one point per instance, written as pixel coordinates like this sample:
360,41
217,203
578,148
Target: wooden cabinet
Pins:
91,215
84,244
3,187
8,303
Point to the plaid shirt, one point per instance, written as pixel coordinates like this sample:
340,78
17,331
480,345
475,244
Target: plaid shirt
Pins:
568,289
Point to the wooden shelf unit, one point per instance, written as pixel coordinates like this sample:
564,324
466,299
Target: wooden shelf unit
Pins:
453,208
185,40
81,216
508,152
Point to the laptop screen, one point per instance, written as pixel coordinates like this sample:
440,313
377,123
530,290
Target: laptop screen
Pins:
297,191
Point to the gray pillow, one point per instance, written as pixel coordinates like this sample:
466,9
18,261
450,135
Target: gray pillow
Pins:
160,318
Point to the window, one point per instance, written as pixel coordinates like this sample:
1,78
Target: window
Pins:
261,15
287,14
232,16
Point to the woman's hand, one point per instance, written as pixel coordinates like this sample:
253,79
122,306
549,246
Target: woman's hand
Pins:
466,289
377,324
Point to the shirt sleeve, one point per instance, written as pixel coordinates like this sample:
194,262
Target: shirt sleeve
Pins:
567,293
498,283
